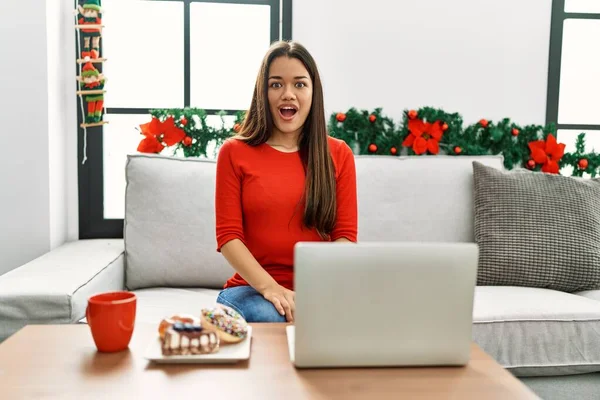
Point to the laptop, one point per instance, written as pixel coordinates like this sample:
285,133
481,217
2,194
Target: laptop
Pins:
382,304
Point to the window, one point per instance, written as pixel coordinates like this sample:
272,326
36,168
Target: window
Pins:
573,81
167,54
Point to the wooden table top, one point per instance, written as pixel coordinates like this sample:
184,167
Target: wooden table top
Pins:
61,361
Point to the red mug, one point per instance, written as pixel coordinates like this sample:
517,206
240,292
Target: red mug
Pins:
111,318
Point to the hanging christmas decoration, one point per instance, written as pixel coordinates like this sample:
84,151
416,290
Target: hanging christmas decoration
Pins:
91,86
90,21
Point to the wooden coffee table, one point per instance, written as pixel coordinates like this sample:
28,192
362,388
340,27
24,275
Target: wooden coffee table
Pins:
61,361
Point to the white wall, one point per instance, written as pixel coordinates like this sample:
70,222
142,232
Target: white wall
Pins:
38,167
62,122
482,59
24,180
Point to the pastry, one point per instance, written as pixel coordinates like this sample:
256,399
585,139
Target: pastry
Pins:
166,323
189,339
229,324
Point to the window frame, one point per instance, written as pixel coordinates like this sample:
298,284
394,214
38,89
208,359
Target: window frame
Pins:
554,65
92,224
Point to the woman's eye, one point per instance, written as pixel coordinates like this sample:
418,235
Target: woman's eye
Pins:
275,85
300,84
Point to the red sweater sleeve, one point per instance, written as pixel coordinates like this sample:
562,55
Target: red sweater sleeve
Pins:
228,200
346,225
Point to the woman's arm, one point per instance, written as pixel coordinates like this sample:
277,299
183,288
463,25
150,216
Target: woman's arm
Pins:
230,234
240,258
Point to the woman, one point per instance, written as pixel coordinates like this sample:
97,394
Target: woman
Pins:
279,181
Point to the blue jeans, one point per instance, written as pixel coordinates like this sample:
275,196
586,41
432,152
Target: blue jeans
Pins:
250,304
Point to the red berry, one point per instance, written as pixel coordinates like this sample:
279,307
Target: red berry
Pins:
187,141
412,114
583,163
372,148
457,150
515,132
394,150
445,127
531,164
484,122
372,118
341,117
184,121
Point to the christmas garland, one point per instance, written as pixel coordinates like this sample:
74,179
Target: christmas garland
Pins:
426,131
429,131
183,129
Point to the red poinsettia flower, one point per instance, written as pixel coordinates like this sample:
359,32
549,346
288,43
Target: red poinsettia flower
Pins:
424,136
150,144
157,133
547,153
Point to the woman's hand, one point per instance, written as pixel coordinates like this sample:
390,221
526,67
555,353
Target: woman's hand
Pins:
283,299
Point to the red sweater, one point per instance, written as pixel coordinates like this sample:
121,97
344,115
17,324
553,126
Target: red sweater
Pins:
258,190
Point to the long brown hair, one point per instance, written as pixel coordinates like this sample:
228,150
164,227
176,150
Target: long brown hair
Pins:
320,191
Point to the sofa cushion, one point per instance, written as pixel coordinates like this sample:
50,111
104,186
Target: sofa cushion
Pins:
537,332
170,224
590,294
155,304
426,198
54,288
537,230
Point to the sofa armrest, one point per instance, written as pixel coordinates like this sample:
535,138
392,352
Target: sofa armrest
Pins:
54,288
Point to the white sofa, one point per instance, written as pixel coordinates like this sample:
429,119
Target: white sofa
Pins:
549,339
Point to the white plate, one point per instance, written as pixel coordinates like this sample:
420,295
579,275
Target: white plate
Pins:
227,354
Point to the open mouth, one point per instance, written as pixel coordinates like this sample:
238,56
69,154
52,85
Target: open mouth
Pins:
287,112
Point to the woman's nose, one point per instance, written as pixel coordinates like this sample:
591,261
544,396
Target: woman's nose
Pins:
288,94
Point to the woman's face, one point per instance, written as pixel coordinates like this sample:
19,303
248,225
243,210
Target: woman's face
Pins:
289,94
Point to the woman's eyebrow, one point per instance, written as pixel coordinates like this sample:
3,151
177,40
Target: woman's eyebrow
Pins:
296,77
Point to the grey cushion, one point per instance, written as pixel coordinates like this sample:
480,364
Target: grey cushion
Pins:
579,387
537,230
537,332
426,198
155,304
170,224
54,288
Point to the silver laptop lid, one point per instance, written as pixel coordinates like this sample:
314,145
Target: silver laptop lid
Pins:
384,304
